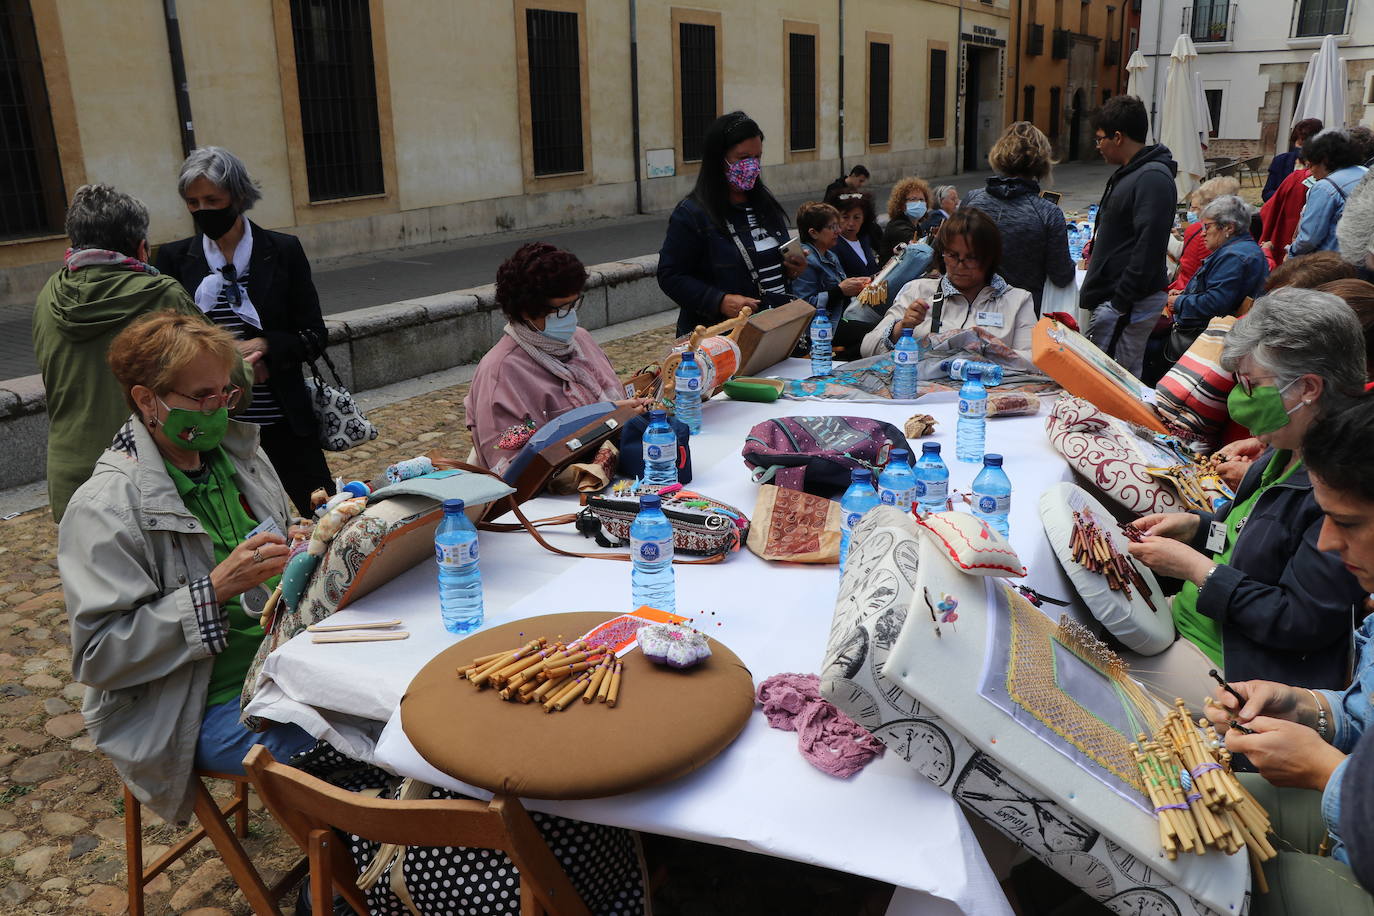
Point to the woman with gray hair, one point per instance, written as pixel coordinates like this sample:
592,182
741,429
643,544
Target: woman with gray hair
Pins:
256,284
1260,599
946,202
1234,271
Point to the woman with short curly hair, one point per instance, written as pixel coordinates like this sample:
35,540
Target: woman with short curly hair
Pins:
908,204
544,363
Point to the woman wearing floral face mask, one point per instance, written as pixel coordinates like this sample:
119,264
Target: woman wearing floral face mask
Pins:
167,555
723,249
544,364
1260,599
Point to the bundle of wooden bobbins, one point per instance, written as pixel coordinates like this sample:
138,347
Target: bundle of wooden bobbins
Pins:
1095,550
1199,802
556,675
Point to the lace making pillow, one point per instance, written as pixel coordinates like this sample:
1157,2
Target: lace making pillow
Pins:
971,545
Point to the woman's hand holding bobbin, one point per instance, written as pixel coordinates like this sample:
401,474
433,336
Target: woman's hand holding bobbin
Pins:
915,314
250,564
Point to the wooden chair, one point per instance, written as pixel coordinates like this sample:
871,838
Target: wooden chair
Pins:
214,823
311,809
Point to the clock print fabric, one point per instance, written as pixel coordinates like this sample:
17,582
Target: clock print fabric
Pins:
881,612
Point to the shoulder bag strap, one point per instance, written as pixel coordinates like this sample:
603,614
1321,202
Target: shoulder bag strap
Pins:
937,308
744,253
1339,189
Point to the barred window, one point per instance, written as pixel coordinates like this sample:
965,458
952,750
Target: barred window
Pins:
879,93
555,91
801,63
697,75
935,129
1320,17
1028,104
32,197
337,81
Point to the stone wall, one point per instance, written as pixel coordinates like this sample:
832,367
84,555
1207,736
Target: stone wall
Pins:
372,347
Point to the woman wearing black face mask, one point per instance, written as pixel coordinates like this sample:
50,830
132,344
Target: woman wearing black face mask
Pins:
256,284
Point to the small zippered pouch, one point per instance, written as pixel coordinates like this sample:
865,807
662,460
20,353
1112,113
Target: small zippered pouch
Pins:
701,526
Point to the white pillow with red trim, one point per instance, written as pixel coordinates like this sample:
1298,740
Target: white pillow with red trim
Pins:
971,545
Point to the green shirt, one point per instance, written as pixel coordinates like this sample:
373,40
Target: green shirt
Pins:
1203,631
213,497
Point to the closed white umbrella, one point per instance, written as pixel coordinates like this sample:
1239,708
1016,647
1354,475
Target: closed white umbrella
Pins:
1135,73
1179,128
1323,89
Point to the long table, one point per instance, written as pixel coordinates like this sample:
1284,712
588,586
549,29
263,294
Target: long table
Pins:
887,822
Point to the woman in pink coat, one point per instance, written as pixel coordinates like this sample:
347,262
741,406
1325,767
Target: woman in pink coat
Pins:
544,364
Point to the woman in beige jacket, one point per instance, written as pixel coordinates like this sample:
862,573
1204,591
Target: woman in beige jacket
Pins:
166,555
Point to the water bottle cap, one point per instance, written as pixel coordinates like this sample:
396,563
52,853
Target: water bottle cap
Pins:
453,505
906,332
930,448
650,501
357,488
689,357
897,454
658,414
859,474
992,461
974,373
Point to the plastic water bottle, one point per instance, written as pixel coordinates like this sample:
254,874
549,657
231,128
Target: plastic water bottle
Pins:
992,495
660,451
857,500
1092,214
687,400
958,370
973,418
897,482
932,479
821,337
460,581
906,358
651,547
1075,242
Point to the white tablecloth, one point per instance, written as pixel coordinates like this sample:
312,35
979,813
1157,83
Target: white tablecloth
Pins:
887,822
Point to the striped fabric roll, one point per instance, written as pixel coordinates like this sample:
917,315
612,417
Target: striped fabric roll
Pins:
1191,397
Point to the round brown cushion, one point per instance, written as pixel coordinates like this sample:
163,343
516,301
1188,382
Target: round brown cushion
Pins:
665,724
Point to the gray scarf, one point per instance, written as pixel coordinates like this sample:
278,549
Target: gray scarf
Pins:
556,358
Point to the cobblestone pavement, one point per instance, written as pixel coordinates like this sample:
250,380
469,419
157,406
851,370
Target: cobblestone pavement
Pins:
61,809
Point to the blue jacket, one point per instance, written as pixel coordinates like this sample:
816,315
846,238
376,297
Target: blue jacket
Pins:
850,261
1279,169
699,264
1284,606
1352,712
819,284
1235,270
1325,204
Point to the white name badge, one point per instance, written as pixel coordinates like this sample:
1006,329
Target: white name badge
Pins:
1216,537
990,319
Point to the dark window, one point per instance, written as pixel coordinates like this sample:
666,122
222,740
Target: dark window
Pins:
1320,17
935,129
697,59
879,92
801,64
338,92
1055,114
1028,104
32,198
1213,110
1059,44
1113,55
1106,94
555,91
1035,39
1207,20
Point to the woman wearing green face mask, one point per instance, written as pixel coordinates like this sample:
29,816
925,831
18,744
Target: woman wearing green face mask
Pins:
167,554
1259,599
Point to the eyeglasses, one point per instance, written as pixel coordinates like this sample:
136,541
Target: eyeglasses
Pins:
568,309
1099,139
960,260
207,405
231,288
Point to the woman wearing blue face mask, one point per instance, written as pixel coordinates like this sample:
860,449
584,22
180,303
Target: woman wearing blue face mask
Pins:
167,556
906,207
1035,239
544,364
1260,600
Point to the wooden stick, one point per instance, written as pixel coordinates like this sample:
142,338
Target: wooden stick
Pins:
614,693
598,676
336,627
578,682
359,637
542,692
485,674
605,689
570,697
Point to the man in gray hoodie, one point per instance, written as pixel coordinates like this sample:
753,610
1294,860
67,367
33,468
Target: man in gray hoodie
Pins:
1124,287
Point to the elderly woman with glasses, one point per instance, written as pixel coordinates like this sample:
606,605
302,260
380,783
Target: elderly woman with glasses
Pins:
255,283
544,364
824,283
167,555
1260,598
970,294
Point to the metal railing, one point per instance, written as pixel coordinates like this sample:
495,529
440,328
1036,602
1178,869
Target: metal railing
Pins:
1207,22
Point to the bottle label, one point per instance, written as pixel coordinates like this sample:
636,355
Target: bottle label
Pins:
902,357
974,409
456,556
849,520
820,333
993,505
689,383
651,551
937,490
652,452
920,489
899,498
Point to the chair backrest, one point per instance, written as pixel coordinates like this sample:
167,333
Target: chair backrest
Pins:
305,805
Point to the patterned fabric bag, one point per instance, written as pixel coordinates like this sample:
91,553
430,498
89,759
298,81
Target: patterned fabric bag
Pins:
1191,397
794,526
702,526
816,454
342,425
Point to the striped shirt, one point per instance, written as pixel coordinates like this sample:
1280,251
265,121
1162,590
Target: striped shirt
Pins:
264,411
767,256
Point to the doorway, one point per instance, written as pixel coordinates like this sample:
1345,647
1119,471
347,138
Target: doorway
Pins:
1076,126
982,107
972,92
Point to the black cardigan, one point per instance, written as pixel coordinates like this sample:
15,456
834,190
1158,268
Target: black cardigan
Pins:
284,295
